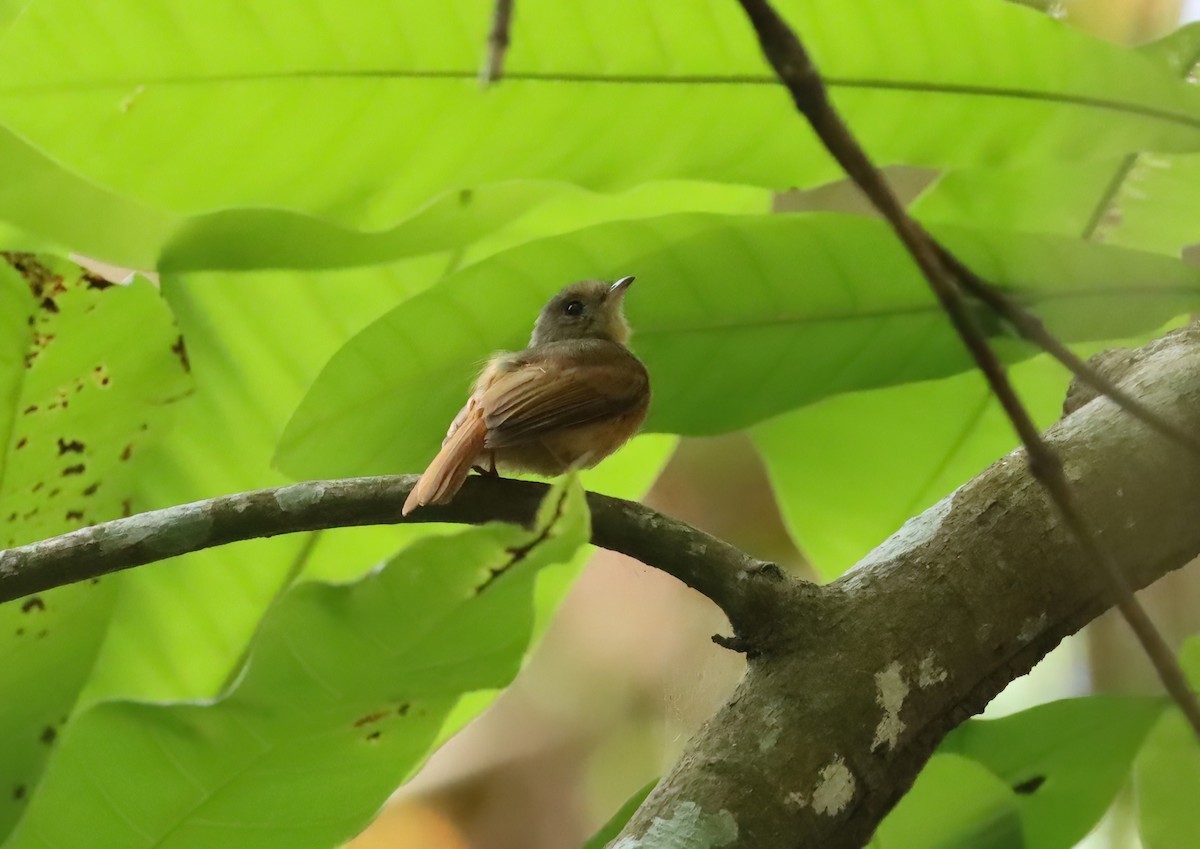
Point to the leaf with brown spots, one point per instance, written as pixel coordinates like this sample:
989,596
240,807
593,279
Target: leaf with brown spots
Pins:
99,368
60,438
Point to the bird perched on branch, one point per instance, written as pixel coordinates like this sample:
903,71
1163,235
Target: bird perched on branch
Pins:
570,399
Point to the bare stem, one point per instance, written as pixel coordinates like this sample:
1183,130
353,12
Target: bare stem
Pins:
497,43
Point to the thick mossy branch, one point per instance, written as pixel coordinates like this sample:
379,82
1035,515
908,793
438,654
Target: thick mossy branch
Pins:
830,728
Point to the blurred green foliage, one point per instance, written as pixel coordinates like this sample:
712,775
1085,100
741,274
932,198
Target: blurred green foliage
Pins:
344,224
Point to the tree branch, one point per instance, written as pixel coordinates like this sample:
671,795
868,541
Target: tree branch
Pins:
948,277
849,687
830,725
737,583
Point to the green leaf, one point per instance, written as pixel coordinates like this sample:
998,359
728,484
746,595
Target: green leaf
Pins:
47,646
364,112
255,342
1166,777
912,445
56,207
1150,202
9,9
83,397
342,699
1063,199
1147,201
88,379
1049,755
1167,773
954,804
1179,51
1157,206
801,306
13,238
247,239
59,210
612,828
476,222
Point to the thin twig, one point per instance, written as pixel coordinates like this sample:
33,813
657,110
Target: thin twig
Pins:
497,43
1031,328
945,275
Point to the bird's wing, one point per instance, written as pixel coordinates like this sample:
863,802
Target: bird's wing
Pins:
544,392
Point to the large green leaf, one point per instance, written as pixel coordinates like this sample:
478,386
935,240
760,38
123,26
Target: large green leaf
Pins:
88,378
1167,773
343,696
913,444
796,307
364,112
83,396
255,342
1062,198
47,647
1050,756
53,206
475,223
59,209
9,9
954,804
1147,201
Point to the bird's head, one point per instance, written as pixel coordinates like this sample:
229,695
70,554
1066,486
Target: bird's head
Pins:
589,309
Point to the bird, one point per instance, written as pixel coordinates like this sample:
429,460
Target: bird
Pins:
571,398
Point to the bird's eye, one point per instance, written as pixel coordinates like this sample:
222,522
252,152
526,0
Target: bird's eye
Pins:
574,308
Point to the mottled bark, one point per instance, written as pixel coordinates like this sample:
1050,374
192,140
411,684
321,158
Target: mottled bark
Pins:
850,696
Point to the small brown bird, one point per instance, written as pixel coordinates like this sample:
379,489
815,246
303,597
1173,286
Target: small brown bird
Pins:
570,399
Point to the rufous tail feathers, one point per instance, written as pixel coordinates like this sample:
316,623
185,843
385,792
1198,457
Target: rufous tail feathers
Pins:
450,467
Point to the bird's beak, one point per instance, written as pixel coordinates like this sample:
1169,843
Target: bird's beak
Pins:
620,286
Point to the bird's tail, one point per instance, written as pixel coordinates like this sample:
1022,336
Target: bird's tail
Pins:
450,467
